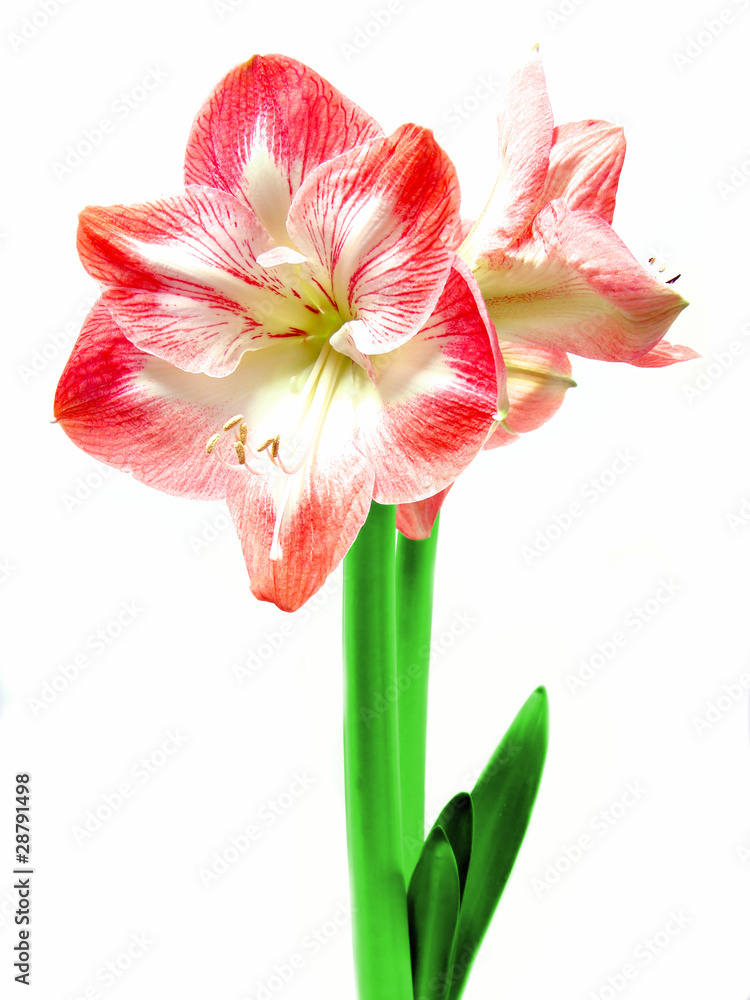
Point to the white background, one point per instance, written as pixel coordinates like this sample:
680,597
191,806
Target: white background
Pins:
71,564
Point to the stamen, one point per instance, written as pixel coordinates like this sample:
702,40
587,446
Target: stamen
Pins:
243,433
210,444
232,422
270,441
239,449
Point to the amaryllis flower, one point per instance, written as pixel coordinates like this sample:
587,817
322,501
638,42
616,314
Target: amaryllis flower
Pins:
293,333
556,278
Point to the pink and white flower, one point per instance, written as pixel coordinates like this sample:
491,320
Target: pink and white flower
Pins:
293,333
556,278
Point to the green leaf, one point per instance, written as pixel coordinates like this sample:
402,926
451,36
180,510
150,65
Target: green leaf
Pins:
457,822
433,901
503,799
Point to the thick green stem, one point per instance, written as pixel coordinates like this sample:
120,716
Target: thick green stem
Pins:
415,574
371,759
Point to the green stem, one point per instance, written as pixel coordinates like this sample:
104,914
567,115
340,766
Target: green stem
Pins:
371,754
415,574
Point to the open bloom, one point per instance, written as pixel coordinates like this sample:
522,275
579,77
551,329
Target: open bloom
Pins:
555,276
293,333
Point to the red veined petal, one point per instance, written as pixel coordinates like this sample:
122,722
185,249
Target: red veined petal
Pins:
575,287
434,399
378,220
138,413
665,354
416,520
584,166
267,125
525,139
313,517
538,378
183,280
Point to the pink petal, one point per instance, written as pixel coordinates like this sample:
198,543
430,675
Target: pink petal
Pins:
183,280
525,140
665,354
584,166
575,287
318,519
434,400
378,219
265,127
416,520
138,413
538,378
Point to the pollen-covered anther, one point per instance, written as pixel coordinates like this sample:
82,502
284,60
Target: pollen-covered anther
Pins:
243,433
211,443
273,444
232,422
239,450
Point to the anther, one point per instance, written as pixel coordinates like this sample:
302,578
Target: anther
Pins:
232,422
211,443
239,449
273,443
243,433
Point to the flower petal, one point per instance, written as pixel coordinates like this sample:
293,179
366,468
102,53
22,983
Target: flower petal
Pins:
308,520
665,354
140,414
265,127
584,166
378,219
416,520
538,378
184,281
434,400
525,139
574,286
